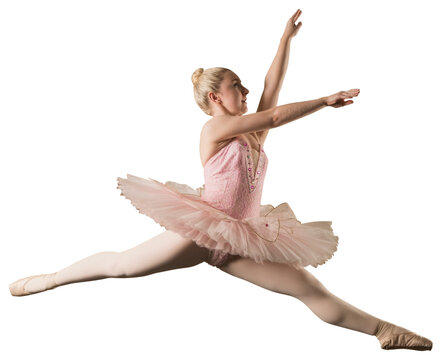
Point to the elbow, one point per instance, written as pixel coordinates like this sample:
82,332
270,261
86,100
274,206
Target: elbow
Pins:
274,118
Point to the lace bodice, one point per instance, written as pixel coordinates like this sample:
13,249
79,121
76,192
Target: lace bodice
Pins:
234,179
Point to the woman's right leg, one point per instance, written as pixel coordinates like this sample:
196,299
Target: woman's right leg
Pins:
166,251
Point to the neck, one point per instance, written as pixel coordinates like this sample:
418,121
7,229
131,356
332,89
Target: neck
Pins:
221,110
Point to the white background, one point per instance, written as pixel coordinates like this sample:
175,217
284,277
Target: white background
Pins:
92,90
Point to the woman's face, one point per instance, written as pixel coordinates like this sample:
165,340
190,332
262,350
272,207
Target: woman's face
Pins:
233,94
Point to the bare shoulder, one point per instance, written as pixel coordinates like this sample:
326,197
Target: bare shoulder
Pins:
212,130
209,145
206,131
213,123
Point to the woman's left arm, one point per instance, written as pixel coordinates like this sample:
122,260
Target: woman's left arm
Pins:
275,75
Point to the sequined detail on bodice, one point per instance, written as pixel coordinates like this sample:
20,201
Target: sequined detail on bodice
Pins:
254,165
234,179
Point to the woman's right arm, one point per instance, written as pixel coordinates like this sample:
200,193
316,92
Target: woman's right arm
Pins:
225,127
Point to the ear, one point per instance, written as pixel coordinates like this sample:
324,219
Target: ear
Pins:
213,97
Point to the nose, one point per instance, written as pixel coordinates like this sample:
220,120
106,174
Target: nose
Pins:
245,91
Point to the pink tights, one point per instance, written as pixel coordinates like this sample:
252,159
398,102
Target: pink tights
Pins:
168,251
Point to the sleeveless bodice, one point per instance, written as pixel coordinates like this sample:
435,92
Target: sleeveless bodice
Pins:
234,178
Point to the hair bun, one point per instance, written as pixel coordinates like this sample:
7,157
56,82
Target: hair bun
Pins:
196,75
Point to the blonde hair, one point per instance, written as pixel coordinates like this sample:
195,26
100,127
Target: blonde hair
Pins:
205,81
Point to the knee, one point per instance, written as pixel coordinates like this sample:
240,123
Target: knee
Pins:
116,266
305,285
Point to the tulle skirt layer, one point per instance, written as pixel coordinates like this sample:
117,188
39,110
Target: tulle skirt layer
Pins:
274,236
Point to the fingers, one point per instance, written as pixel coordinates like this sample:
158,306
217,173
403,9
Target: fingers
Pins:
339,104
354,92
296,15
350,93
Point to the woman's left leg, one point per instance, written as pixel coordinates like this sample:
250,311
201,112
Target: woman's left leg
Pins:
299,283
302,285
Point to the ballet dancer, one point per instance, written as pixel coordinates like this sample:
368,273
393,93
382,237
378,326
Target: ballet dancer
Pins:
222,222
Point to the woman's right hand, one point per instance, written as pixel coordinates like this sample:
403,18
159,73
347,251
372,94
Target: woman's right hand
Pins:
338,99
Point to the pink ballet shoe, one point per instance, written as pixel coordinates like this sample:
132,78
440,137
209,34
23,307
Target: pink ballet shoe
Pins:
403,340
17,288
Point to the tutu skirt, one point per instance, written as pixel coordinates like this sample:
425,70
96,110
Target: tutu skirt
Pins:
275,235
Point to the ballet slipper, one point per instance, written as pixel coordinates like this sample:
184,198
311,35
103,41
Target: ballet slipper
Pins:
403,340
17,288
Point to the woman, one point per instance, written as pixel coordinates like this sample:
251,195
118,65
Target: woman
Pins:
223,223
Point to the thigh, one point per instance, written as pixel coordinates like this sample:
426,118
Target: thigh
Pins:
280,278
166,251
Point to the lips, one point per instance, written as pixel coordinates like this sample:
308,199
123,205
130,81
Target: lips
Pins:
244,100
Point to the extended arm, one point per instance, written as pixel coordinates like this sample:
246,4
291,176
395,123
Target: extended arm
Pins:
226,126
275,75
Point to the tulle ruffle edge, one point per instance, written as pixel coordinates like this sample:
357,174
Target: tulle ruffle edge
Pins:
275,235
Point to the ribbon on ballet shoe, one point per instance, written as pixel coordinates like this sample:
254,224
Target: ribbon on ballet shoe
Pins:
50,282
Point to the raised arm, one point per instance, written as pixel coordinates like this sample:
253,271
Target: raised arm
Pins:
275,75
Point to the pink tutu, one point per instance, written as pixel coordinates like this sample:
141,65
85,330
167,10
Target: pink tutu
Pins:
275,235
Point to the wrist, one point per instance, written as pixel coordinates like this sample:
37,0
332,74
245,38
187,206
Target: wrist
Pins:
286,38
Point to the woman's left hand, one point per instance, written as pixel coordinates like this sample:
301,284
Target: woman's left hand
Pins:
291,28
